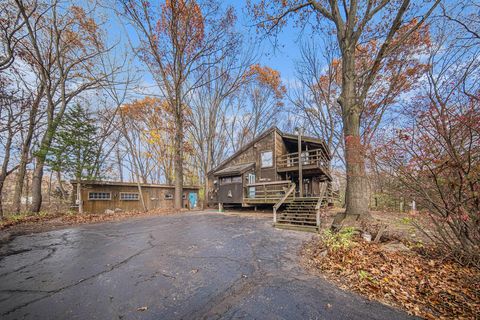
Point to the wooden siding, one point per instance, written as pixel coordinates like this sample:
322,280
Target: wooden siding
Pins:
154,198
250,154
271,140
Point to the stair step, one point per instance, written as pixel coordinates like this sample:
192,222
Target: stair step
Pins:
301,223
309,218
295,227
298,218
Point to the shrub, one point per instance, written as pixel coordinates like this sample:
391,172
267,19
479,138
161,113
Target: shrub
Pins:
338,240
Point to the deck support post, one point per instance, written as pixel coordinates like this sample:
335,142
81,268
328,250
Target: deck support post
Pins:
274,215
300,173
220,207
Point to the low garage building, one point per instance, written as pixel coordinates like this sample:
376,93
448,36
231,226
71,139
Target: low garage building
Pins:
100,196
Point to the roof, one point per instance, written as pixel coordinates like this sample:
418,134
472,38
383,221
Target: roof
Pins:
235,170
129,184
261,136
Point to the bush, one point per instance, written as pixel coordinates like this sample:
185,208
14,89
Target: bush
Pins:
338,240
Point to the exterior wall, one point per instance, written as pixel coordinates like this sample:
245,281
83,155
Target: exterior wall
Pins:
251,154
154,198
270,141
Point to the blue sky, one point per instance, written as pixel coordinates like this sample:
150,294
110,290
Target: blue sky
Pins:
281,57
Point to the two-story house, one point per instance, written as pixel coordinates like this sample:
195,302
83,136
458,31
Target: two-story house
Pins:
274,166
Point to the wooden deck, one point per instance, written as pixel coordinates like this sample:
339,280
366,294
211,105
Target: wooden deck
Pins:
267,192
312,160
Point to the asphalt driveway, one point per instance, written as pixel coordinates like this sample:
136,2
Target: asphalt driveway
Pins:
186,266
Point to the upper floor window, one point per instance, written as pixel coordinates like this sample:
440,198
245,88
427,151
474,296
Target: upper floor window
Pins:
99,196
266,159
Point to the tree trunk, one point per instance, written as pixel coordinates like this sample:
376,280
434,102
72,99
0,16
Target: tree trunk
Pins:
119,163
79,196
179,161
37,185
19,180
22,168
60,185
356,195
1,204
4,172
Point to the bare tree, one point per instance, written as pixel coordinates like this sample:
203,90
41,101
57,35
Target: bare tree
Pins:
210,104
175,38
64,45
12,106
376,29
314,96
434,153
11,31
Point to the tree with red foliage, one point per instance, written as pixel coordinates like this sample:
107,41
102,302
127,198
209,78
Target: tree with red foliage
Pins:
435,153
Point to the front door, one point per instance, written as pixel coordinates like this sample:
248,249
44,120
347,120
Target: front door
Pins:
192,197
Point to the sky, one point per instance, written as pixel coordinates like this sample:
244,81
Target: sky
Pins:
281,57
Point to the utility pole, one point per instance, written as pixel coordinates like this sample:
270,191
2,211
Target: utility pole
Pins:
300,173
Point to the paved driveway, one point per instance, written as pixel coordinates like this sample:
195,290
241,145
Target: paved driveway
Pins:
187,266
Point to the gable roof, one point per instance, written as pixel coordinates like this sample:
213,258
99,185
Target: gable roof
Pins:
245,147
235,170
263,135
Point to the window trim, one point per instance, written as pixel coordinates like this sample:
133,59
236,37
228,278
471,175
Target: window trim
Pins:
104,199
135,193
261,160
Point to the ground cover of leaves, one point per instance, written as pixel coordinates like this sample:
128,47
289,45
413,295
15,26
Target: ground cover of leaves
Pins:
49,221
423,286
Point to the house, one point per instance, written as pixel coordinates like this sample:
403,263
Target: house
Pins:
275,169
99,196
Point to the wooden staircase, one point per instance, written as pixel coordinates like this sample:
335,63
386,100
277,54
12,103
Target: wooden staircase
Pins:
301,213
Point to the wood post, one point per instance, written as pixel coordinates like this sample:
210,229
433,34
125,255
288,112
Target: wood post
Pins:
300,173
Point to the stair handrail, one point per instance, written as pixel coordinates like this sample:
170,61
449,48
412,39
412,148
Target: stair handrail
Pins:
319,203
281,201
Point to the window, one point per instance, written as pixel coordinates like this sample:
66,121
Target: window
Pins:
99,196
184,197
129,196
168,196
267,159
227,180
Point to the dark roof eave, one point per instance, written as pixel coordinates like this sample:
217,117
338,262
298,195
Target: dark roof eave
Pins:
130,184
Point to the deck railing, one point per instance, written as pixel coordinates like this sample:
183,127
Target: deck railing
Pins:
311,157
323,194
267,192
289,194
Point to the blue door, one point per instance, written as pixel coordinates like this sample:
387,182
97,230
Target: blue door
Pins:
192,197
